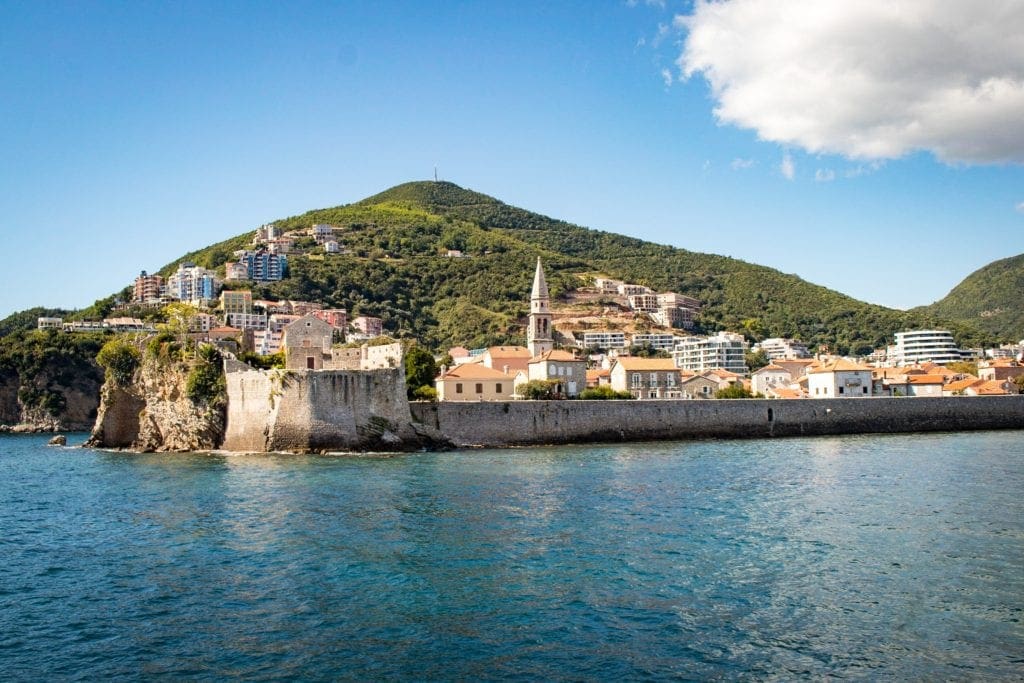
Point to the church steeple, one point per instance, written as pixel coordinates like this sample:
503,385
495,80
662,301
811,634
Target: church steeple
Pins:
538,333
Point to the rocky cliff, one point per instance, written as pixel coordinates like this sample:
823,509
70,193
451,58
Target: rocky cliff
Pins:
52,397
169,401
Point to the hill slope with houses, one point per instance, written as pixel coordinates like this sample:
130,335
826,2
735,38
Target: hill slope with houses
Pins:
447,266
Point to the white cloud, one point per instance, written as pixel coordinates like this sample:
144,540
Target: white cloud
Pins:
869,79
863,169
787,168
741,164
666,76
1020,207
824,175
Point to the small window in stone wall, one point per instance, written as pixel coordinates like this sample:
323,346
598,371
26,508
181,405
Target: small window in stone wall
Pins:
497,388
458,388
479,388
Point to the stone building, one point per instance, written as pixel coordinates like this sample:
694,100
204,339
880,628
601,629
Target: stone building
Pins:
307,344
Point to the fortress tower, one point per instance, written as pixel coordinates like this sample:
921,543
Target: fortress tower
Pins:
538,333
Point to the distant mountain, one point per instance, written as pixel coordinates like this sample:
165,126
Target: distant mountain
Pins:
991,298
394,267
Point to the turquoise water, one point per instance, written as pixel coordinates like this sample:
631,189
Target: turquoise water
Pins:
895,557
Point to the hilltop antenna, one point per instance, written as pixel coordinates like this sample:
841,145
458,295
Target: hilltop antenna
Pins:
435,174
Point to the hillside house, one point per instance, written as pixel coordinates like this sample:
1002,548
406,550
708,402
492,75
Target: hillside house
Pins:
770,377
839,379
474,382
645,378
562,367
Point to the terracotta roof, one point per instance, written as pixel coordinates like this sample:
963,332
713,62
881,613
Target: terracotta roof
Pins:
599,372
772,368
926,379
840,365
962,384
474,371
990,388
720,373
634,363
508,352
555,355
783,392
458,352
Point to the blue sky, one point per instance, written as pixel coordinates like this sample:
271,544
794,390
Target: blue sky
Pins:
135,132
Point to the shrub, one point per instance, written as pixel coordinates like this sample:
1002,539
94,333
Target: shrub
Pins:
604,393
120,359
425,393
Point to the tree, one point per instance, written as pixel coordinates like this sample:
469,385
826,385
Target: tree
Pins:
537,390
179,315
964,367
120,359
733,391
420,370
756,360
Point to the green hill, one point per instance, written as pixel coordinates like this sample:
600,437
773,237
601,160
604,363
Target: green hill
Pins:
394,268
991,299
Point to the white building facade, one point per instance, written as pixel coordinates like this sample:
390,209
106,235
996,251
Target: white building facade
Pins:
921,346
723,351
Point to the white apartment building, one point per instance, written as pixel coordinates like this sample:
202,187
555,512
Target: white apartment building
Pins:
49,323
267,342
626,289
723,351
662,341
247,321
322,233
647,303
607,285
777,348
193,283
673,316
266,233
920,346
674,300
606,339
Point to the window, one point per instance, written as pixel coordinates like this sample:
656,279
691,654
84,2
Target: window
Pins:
479,388
841,390
497,388
654,379
865,390
635,381
458,388
670,379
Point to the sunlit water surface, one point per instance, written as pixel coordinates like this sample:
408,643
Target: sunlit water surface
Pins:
865,557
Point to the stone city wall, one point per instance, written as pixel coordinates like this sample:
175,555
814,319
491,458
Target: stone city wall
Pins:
511,423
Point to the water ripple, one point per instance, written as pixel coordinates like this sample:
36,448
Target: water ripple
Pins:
894,557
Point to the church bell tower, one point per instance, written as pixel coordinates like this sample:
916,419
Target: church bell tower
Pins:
539,334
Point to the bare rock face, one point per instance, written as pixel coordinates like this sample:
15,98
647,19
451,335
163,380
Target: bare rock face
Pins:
76,393
59,440
154,413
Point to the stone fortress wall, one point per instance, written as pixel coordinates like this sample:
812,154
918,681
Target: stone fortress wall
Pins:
497,424
304,410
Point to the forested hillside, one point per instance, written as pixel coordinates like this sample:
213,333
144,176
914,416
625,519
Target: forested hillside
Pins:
991,298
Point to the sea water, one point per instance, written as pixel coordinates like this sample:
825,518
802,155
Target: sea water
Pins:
895,557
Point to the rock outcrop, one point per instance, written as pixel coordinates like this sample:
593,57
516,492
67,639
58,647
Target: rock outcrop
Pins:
154,411
52,399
